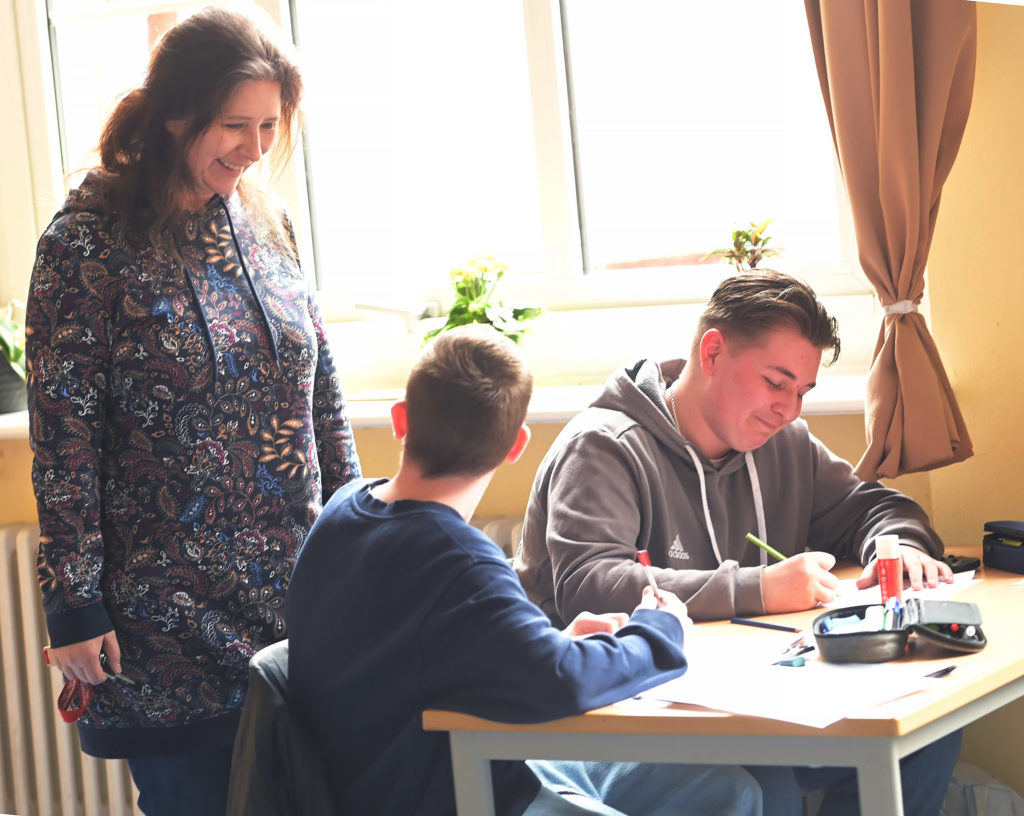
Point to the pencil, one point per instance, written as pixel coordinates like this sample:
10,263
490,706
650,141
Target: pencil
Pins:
764,624
753,539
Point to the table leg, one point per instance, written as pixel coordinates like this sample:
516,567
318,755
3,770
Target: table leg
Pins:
878,782
474,793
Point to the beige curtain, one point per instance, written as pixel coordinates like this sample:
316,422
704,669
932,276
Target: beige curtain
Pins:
897,78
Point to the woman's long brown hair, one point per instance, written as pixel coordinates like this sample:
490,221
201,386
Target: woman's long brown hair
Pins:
193,72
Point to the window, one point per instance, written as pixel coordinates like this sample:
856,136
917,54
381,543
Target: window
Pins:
421,144
446,128
691,117
598,148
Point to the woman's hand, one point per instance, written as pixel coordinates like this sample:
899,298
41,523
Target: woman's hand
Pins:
81,661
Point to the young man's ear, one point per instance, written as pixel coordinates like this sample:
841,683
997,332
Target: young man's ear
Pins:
522,440
711,347
399,420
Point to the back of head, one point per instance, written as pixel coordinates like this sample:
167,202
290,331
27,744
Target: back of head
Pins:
748,305
194,70
466,399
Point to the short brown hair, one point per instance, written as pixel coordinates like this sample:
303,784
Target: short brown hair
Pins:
466,399
746,306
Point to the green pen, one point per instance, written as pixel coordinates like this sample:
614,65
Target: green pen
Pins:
753,539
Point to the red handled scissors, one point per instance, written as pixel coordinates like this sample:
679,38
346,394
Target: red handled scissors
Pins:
76,695
74,698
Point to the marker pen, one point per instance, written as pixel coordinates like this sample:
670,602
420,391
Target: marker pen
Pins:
645,560
890,567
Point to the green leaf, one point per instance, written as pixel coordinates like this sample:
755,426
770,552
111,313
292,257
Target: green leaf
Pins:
526,312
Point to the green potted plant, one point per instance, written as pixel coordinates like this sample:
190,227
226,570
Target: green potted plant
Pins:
12,366
474,285
749,247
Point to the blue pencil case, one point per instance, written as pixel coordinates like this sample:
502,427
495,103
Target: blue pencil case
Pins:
1003,545
869,634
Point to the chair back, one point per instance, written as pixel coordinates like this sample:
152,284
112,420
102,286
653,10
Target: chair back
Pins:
275,767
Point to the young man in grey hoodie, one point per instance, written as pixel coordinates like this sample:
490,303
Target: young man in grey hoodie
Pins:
684,458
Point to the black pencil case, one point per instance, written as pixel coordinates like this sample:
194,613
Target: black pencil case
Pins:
1002,546
951,624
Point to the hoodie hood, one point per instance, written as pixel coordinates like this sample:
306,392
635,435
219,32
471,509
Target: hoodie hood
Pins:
638,392
217,209
190,228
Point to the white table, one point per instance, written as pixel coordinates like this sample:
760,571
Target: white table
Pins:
873,742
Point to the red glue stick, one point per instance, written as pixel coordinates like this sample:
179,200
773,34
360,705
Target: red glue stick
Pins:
890,567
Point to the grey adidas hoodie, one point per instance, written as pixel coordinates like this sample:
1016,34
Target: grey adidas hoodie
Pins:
621,478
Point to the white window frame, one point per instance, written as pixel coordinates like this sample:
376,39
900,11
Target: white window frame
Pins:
566,293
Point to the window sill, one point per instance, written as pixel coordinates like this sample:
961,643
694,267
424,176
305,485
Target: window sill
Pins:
555,404
571,354
14,425
558,404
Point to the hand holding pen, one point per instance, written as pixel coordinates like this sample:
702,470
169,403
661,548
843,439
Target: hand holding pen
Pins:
655,598
796,582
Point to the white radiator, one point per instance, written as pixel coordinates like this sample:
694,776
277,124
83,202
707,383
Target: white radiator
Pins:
42,770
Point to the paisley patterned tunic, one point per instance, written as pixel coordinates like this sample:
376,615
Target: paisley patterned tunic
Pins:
187,425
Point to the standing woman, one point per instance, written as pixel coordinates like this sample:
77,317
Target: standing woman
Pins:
186,419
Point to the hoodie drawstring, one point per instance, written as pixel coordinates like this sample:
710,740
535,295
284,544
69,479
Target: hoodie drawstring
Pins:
199,308
755,487
252,287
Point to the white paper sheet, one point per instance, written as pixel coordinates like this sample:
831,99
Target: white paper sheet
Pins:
849,595
738,676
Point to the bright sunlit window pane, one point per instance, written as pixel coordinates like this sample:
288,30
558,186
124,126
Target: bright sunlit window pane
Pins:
420,141
697,118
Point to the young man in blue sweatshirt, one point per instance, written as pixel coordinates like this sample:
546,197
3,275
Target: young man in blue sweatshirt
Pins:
397,604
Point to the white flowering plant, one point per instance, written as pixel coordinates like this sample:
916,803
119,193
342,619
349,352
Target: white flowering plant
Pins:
474,285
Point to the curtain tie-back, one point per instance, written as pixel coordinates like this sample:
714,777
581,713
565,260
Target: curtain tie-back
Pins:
900,307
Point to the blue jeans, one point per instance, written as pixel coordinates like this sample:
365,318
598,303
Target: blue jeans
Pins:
924,778
643,789
195,783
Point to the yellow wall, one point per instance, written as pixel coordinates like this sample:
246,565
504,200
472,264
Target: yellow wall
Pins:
507,495
510,489
977,291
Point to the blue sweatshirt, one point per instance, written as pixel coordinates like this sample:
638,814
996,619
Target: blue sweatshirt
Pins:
396,608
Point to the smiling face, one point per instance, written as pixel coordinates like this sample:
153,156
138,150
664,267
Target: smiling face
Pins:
243,131
753,391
